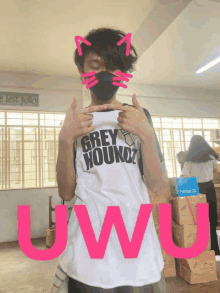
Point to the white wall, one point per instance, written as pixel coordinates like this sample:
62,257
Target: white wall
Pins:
38,200
173,101
55,95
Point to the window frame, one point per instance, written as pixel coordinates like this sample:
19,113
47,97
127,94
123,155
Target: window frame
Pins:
176,166
39,131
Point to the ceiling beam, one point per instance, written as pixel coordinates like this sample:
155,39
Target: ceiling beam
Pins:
163,13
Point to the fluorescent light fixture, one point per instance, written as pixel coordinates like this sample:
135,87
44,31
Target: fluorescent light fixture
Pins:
210,64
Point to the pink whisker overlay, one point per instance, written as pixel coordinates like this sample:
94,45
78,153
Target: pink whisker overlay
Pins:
92,84
123,74
88,80
120,78
119,84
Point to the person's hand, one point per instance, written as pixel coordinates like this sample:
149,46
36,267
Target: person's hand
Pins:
78,122
133,119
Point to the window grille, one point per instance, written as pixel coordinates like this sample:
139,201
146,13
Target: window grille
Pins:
29,145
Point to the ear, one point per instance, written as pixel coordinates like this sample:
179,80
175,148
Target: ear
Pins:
77,38
128,39
80,72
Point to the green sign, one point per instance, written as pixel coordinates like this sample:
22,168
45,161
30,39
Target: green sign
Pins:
19,99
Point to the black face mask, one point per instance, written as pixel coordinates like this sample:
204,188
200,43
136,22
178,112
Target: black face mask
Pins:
104,90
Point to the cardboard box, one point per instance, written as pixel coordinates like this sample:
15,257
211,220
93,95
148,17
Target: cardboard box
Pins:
50,236
185,235
216,177
162,196
181,211
169,265
201,269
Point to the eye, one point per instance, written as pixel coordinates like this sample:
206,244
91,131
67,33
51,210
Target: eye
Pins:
95,66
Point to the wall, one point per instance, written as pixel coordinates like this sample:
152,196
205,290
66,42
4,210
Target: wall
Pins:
55,95
55,92
38,200
172,101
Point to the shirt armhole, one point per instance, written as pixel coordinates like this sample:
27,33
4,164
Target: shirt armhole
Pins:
161,157
74,155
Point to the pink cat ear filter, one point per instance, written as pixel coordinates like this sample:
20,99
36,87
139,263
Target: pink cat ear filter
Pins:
121,76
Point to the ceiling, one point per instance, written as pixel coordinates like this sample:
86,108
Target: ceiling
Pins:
38,36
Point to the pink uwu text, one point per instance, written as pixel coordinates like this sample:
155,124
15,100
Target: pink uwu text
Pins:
114,217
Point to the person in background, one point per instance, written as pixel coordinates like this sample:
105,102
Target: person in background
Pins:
181,158
200,162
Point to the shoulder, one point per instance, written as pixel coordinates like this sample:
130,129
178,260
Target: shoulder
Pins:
147,113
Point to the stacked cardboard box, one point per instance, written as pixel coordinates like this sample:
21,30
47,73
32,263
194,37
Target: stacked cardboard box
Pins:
50,236
180,209
216,177
202,268
185,235
163,196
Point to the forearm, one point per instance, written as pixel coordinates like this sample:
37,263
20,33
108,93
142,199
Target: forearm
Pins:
152,170
65,171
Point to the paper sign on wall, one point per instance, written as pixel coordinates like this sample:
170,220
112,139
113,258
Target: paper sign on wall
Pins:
19,99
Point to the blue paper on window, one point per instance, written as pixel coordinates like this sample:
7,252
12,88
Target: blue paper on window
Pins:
187,186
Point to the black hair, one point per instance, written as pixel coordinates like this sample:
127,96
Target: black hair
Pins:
104,44
199,150
180,154
181,158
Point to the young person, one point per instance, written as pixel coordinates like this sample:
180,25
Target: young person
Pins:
181,158
109,158
200,162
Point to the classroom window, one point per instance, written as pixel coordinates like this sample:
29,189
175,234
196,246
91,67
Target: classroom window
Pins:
174,135
28,149
29,145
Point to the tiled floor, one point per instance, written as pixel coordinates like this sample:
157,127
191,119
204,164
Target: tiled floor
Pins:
19,274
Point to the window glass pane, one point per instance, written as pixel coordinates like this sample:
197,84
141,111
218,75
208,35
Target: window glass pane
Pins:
49,116
14,115
14,133
177,123
59,117
30,116
31,141
49,123
14,121
187,123
166,135
197,132
30,122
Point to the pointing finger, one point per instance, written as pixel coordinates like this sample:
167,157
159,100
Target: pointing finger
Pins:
93,109
87,117
119,107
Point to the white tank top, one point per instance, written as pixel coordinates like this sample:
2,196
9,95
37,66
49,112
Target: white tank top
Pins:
107,174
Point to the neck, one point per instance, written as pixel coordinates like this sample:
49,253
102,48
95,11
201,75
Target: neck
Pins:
96,102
